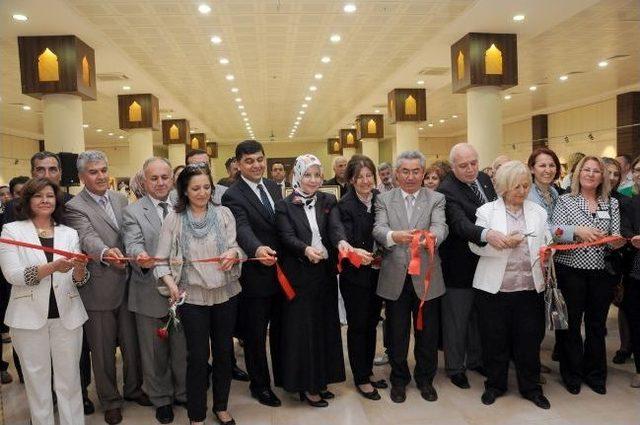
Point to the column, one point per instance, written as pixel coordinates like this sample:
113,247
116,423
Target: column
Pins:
406,138
371,149
62,123
484,122
177,154
140,148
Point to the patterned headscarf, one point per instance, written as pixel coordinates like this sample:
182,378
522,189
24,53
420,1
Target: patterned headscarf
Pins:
303,163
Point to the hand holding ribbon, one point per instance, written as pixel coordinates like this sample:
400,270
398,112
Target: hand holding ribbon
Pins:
422,239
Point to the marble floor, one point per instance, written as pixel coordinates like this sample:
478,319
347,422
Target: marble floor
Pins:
621,405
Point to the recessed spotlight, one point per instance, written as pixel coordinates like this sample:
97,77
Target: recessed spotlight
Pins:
240,106
126,87
603,64
454,116
507,96
441,120
533,88
563,78
99,130
318,76
350,8
335,38
325,59
290,137
420,82
26,107
304,105
244,114
377,111
430,124
120,137
420,128
216,39
245,119
313,88
307,98
301,112
298,118
169,116
20,18
353,126
518,17
224,61
85,125
204,9
238,99
230,77
109,134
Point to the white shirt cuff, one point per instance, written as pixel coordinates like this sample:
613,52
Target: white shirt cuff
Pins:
390,241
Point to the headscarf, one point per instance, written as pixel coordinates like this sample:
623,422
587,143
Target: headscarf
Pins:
303,163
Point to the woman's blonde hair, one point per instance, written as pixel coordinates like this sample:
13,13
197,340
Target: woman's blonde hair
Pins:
605,186
509,175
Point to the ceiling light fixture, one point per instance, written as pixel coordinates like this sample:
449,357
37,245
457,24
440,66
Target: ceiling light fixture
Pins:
307,98
120,137
313,88
224,61
377,111
603,64
99,130
216,39
430,124
20,18
240,106
563,78
420,128
245,119
325,59
110,134
507,97
420,82
230,77
349,8
301,112
441,120
26,107
234,90
204,9
304,105
318,76
518,18
454,116
533,88
244,114
85,125
169,116
335,38
126,87
238,99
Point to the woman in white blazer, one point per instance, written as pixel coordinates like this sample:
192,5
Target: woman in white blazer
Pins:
509,285
45,313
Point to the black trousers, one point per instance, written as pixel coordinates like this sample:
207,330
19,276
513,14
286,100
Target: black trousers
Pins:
255,316
85,366
425,350
363,312
631,306
208,328
511,324
588,294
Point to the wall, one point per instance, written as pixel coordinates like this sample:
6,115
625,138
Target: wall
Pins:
15,153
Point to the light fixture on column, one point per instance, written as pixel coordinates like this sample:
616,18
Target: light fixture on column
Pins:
138,111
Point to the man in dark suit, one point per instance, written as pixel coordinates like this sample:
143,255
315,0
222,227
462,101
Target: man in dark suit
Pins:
251,200
279,175
340,170
465,189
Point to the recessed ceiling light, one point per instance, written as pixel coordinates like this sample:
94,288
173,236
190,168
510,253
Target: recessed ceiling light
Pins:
120,137
216,39
234,90
420,128
290,137
301,112
603,64
454,116
307,98
298,118
313,88
518,17
204,9
230,77
563,78
533,88
353,126
377,111
99,130
335,38
26,107
240,106
20,18
325,59
110,134
245,119
318,76
85,125
430,124
349,8
441,120
238,99
223,61
244,114
507,96
169,116
420,82
304,105
126,87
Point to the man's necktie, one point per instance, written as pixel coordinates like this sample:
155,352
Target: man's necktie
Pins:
409,201
165,209
476,191
104,203
265,200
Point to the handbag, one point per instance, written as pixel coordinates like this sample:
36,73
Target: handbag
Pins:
556,313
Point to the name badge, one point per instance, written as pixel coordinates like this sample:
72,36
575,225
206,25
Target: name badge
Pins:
603,215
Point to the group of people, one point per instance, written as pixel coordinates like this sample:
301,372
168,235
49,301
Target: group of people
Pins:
447,250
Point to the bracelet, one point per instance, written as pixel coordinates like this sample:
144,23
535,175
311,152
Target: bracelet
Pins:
80,283
31,276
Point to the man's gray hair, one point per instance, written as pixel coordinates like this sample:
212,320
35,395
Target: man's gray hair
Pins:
385,166
153,159
336,159
457,147
90,156
411,155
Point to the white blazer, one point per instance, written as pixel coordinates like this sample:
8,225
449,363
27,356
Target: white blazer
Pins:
493,262
29,305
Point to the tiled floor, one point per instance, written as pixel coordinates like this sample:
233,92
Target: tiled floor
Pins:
621,406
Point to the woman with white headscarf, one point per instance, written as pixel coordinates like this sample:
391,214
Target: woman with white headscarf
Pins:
310,230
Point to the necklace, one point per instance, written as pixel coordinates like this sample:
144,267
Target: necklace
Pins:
45,233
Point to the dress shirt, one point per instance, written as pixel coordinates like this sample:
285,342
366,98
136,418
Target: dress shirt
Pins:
316,238
518,275
156,203
390,241
110,213
254,188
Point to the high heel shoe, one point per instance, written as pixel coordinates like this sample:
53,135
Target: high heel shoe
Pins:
327,395
319,403
372,395
221,422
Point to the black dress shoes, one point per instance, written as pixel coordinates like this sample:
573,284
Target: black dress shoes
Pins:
113,416
164,414
180,403
398,394
372,395
573,388
428,392
142,400
489,396
460,380
539,400
597,388
319,403
88,406
327,395
266,397
479,369
380,384
621,357
239,374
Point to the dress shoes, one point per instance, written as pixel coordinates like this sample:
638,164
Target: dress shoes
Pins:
479,369
597,388
398,394
539,400
142,400
621,357
428,392
381,360
489,396
180,403
327,395
380,384
371,395
266,397
573,388
221,422
460,380
635,381
113,416
239,375
87,406
164,414
319,403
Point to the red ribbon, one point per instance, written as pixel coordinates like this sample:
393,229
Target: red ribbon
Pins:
353,257
66,254
288,290
422,239
545,251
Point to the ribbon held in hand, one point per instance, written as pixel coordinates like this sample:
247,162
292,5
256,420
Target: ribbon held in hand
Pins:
66,254
422,239
353,257
545,251
288,290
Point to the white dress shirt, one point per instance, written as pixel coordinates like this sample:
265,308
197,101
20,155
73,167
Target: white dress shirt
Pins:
316,238
390,241
156,203
254,187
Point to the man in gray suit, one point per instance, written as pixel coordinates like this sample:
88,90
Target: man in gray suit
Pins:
400,212
96,213
163,361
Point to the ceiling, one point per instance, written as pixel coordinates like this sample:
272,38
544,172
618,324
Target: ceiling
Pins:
274,48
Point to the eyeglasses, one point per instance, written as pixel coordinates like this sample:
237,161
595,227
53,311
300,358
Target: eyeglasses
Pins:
591,171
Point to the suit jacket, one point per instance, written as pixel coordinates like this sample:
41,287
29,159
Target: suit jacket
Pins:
29,305
391,214
333,182
358,229
140,233
493,262
107,289
254,228
458,262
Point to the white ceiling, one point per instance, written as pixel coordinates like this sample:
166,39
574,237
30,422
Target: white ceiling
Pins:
274,48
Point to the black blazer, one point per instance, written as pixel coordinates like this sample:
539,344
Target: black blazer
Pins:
254,228
358,230
333,182
630,226
458,262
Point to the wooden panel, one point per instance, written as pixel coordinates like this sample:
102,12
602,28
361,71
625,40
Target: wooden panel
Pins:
628,123
370,126
334,147
178,128
212,149
149,111
539,131
348,137
407,105
69,68
484,59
